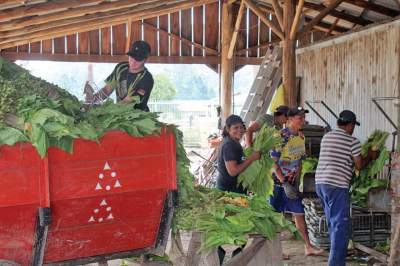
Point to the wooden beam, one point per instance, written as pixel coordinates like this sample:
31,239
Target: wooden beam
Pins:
6,4
100,21
84,20
236,30
394,258
227,68
71,13
325,27
380,256
293,29
43,8
208,60
184,40
263,18
374,7
278,13
333,26
320,16
339,15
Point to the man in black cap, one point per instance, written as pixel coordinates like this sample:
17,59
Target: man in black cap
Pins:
277,120
129,79
340,151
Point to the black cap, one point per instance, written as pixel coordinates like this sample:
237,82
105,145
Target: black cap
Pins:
348,116
232,120
140,50
281,110
297,111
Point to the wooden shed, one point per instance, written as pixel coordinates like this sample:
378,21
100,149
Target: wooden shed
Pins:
346,52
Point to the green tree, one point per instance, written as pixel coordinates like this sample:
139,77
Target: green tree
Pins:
163,88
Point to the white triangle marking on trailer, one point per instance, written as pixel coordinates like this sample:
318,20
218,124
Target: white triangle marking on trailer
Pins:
107,166
91,219
103,202
98,187
110,217
117,184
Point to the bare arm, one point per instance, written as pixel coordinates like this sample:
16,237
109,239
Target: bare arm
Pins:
361,162
235,168
278,172
102,94
249,133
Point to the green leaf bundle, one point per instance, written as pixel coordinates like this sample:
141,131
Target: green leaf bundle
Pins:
258,176
366,179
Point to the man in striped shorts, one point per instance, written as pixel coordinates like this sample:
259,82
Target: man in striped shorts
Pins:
340,151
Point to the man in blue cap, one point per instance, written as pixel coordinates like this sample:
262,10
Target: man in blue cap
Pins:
277,121
340,151
129,79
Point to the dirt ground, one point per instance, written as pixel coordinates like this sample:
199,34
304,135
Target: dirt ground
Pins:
294,248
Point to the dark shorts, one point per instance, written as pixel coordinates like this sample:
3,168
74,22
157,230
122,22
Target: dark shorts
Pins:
282,203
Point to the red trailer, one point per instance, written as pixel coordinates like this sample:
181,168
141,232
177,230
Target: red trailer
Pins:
109,199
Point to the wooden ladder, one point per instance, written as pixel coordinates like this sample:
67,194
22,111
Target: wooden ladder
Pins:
268,79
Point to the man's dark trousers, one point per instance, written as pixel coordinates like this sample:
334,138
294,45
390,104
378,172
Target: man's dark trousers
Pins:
336,203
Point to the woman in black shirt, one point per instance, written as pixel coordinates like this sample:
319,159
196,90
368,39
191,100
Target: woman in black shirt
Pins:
231,163
231,160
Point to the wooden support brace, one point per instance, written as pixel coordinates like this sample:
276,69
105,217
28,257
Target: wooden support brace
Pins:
293,29
236,30
278,13
263,18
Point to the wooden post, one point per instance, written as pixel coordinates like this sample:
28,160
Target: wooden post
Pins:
289,55
226,74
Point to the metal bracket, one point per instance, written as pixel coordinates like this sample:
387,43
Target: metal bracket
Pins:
328,126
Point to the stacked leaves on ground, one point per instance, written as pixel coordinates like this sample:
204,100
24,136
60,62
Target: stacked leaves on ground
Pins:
229,218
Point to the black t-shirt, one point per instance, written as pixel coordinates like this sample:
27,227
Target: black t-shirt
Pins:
230,150
139,84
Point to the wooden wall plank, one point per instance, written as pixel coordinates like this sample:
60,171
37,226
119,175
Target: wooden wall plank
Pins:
105,41
186,30
304,39
253,33
47,46
163,41
11,49
174,24
35,47
150,34
94,42
23,48
119,39
348,72
198,28
318,35
211,25
71,44
264,37
59,45
83,43
136,31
